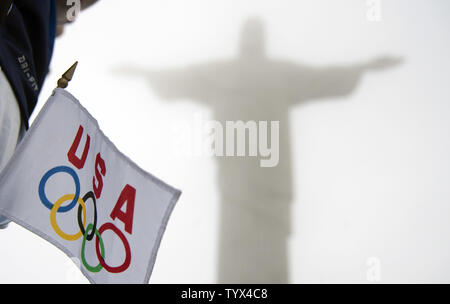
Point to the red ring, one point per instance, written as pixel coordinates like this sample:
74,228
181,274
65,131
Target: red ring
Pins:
126,263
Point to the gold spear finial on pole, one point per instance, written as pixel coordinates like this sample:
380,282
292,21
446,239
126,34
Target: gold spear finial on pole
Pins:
67,76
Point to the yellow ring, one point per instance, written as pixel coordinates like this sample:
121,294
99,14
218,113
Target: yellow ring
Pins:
68,237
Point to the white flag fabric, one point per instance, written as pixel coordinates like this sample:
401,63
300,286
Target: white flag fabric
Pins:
69,184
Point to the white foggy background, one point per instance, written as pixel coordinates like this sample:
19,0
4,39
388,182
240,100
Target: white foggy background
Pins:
371,170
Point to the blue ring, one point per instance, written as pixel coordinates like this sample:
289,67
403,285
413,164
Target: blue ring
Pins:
44,179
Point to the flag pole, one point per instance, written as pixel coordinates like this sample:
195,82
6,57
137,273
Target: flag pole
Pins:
67,76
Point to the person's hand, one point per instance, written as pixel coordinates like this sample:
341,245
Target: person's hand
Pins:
384,62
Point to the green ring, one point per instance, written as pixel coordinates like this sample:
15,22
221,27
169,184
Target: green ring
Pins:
102,249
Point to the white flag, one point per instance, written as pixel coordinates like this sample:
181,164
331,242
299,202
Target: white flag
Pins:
69,184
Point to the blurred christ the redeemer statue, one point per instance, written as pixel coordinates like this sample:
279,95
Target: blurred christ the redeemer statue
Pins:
255,208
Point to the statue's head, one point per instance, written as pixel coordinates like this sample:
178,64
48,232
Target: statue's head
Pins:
253,38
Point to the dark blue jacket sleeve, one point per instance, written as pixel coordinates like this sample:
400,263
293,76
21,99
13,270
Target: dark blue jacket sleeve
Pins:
27,35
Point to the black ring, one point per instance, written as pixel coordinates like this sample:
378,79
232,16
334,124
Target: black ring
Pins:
87,196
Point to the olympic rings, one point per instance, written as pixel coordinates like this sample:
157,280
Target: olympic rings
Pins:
88,232
126,263
44,179
102,249
68,237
